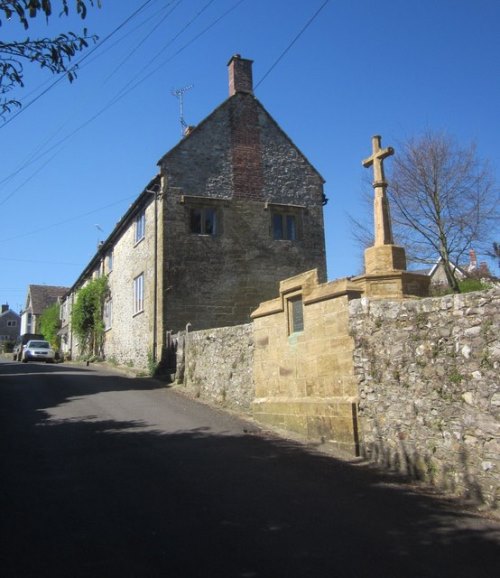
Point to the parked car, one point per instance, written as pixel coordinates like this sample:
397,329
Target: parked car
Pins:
38,350
21,342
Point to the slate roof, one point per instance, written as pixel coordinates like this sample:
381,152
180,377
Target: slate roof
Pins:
42,296
10,313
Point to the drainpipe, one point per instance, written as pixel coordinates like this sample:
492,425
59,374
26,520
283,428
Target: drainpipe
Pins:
155,297
155,273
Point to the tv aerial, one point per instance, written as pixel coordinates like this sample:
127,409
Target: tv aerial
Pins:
179,95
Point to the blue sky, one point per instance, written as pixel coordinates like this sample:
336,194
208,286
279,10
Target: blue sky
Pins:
74,160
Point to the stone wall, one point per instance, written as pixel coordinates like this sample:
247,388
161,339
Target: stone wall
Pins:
304,379
216,365
428,374
129,341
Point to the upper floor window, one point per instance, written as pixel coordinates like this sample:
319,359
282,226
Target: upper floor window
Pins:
109,260
284,225
139,294
203,221
140,226
12,323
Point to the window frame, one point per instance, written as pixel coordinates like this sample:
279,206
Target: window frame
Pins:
286,223
295,316
108,314
138,306
140,227
204,210
109,261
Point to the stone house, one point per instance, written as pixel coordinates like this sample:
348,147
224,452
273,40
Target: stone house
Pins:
39,297
10,325
235,208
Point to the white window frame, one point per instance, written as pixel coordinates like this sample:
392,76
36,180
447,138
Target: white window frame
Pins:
139,294
110,261
108,314
140,227
12,323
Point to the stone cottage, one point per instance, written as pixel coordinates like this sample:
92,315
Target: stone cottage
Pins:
235,208
38,298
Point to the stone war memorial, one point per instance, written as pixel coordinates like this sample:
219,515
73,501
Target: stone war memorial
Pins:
369,365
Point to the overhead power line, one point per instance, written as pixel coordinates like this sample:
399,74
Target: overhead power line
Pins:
82,59
69,220
128,87
280,57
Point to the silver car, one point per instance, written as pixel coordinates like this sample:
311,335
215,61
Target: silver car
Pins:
38,350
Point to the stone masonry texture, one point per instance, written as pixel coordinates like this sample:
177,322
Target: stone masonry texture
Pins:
218,366
429,398
241,164
422,373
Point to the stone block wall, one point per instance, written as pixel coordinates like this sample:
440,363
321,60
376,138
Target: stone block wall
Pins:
217,366
428,374
304,380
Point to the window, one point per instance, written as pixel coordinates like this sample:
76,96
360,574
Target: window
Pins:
284,226
140,226
108,314
110,261
11,323
203,221
295,314
139,293
29,323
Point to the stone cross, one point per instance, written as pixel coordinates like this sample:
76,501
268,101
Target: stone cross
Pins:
382,218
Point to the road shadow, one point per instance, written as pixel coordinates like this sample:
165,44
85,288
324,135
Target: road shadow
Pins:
103,497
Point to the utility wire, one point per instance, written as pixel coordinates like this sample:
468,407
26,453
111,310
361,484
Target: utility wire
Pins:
181,49
280,57
162,49
121,94
69,220
84,57
144,39
124,91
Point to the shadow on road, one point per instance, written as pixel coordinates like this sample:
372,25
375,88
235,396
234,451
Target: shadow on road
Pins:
106,498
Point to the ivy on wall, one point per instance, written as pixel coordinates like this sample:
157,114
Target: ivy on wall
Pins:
50,323
87,316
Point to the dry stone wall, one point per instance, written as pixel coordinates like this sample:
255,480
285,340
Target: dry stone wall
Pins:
428,374
217,366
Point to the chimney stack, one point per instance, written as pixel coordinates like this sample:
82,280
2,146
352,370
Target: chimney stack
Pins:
240,75
5,308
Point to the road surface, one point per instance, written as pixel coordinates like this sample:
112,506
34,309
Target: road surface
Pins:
107,476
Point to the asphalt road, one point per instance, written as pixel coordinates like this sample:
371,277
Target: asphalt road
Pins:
103,475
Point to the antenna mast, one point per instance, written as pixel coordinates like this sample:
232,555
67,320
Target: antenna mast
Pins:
179,95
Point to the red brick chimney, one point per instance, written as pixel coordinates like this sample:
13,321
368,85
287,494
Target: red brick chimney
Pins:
240,75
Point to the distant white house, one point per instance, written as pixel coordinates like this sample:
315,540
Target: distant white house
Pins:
438,274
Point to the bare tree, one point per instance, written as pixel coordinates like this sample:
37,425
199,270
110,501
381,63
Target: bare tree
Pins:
55,54
443,200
